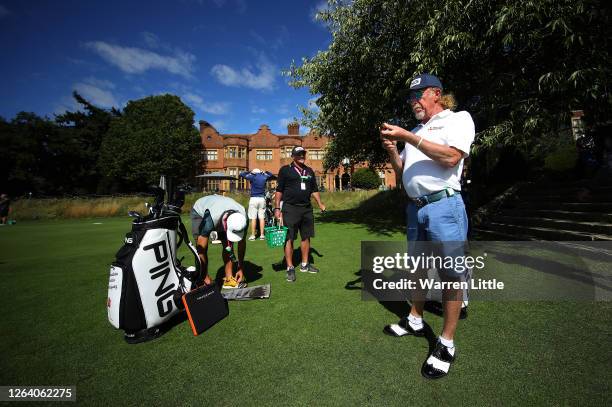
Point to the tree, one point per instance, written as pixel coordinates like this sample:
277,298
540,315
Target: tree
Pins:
31,155
518,67
85,130
365,178
153,136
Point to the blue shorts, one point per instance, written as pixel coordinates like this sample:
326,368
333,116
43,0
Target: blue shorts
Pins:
443,221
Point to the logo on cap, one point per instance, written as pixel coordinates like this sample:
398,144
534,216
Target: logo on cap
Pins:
415,82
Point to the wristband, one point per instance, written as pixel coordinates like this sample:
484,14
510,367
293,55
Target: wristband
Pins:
277,208
419,143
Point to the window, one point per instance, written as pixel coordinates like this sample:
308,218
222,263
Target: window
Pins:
211,184
264,155
235,152
320,181
286,151
241,183
211,155
315,154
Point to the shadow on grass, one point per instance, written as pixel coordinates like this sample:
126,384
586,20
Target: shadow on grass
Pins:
401,309
382,214
252,272
577,272
281,265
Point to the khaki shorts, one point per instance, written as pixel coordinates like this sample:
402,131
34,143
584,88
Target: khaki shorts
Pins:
257,208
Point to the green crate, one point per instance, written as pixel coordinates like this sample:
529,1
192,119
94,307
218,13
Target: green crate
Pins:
275,235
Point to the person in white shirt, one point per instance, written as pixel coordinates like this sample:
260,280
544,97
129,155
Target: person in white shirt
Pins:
226,217
430,167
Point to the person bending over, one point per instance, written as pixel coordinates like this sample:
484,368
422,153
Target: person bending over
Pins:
227,218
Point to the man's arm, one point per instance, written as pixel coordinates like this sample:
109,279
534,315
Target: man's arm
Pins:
280,188
317,198
246,175
443,155
277,200
202,248
241,253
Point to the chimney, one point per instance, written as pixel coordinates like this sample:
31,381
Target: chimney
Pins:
293,129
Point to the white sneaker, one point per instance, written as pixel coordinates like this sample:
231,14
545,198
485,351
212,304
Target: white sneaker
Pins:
252,237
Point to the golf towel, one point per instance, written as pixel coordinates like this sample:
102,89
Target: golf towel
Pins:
248,293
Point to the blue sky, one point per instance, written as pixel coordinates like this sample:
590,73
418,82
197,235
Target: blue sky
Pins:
222,57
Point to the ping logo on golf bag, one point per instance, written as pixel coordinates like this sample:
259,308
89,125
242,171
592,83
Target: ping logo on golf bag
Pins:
163,293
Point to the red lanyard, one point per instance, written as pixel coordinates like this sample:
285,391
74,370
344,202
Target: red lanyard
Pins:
299,171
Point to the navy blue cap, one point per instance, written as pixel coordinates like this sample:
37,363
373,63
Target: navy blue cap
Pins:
425,80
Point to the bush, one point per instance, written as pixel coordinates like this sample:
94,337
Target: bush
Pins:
562,159
366,178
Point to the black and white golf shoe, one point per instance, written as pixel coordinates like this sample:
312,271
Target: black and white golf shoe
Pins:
438,363
403,328
309,268
291,274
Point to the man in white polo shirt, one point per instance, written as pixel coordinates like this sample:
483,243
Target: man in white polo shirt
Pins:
228,219
430,166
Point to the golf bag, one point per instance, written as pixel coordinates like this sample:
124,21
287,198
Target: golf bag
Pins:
269,211
147,279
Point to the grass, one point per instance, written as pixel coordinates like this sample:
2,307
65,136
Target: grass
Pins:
314,342
77,208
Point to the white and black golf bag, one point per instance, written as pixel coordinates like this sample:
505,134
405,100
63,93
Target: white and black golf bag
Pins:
147,279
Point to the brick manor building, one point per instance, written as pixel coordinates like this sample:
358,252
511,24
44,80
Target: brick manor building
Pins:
233,153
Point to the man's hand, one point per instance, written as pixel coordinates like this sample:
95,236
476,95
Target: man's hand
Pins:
322,207
239,275
393,133
277,213
389,145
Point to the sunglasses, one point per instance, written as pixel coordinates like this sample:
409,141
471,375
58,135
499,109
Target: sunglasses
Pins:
416,95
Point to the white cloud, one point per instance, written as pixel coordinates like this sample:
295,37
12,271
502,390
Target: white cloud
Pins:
282,109
283,123
260,77
312,104
100,83
278,42
66,104
281,39
258,110
261,40
220,125
97,92
137,60
212,108
4,11
321,6
150,39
